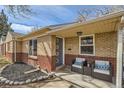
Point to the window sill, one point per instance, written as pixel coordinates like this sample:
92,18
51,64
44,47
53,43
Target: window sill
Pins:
32,57
9,52
88,54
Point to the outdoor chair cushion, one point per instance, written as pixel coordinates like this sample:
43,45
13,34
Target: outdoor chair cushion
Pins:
102,65
107,72
78,62
77,66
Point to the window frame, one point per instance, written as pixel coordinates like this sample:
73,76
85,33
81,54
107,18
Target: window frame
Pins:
32,48
93,35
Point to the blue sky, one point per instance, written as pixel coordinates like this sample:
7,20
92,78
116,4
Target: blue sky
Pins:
46,15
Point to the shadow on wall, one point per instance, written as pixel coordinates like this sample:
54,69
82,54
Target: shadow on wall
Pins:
44,58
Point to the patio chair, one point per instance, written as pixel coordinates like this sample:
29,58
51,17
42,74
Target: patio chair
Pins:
102,70
77,65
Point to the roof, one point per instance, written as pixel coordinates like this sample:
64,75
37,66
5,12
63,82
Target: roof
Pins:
46,29
2,39
54,28
60,25
16,34
13,34
104,17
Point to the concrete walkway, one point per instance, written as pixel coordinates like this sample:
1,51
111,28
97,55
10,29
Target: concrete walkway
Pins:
50,83
83,80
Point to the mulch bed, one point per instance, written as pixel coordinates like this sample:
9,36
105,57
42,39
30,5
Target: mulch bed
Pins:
15,72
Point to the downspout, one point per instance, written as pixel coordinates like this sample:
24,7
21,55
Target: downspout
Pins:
14,49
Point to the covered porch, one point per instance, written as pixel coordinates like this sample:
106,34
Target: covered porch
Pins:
107,43
82,81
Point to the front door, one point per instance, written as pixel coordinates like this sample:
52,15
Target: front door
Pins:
59,51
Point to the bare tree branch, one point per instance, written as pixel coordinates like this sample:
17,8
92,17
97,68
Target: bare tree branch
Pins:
85,14
19,10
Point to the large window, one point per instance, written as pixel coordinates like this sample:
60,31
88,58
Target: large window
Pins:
33,47
87,45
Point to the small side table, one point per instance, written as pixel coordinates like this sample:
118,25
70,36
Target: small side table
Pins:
87,70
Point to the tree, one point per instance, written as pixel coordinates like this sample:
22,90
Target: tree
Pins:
86,14
4,25
21,10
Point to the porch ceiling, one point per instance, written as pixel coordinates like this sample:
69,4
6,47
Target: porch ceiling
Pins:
90,28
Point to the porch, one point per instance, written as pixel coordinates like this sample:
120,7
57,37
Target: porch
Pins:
94,40
82,80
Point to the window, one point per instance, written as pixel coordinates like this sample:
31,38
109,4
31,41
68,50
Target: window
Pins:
30,47
33,47
87,45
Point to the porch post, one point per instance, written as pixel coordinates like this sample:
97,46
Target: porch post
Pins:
119,58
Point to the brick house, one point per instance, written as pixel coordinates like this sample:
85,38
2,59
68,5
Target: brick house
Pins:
57,45
8,45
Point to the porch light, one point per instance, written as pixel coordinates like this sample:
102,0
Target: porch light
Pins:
79,33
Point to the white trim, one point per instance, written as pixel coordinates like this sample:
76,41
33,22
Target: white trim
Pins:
32,47
119,58
63,51
27,44
32,57
29,38
84,45
15,49
63,39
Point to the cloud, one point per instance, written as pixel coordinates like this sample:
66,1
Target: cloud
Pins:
21,28
46,15
56,13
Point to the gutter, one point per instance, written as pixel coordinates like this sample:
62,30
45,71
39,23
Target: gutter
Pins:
35,31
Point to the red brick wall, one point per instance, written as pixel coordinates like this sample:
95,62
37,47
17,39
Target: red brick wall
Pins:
33,62
10,56
18,57
24,57
45,62
69,58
